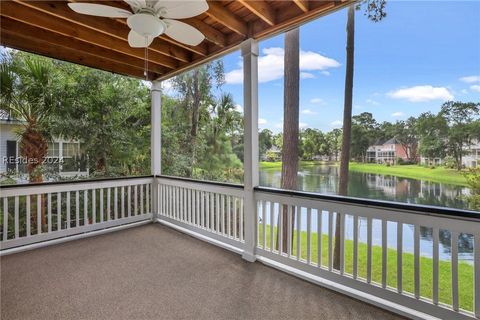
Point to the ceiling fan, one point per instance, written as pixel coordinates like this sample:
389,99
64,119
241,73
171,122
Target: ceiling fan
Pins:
151,18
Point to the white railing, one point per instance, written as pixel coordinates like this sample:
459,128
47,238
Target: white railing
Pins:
212,209
382,251
423,258
35,213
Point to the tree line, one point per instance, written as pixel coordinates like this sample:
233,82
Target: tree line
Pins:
444,135
109,114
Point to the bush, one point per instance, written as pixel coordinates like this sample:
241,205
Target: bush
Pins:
449,162
473,181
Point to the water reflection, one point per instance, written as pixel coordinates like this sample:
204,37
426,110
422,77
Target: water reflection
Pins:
324,179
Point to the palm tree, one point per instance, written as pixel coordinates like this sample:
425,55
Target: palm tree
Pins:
27,93
290,123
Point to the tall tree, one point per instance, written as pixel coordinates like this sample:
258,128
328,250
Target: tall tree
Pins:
375,12
290,121
195,92
265,141
406,134
28,94
460,117
347,111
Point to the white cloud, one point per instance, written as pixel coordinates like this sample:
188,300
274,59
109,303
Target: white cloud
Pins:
475,88
372,102
470,79
316,100
239,108
308,111
270,65
336,124
307,75
422,93
302,125
464,91
262,121
398,114
325,73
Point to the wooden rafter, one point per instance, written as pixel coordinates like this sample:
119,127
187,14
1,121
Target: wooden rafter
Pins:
34,45
222,15
13,27
261,9
102,43
69,29
302,4
107,26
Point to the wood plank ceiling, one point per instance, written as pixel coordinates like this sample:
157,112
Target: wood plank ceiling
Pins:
52,29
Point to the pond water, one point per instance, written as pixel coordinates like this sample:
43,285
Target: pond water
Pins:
323,179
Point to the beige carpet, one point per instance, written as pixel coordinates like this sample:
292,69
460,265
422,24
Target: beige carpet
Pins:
153,272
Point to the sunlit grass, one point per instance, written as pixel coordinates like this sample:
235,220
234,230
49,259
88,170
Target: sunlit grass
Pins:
465,270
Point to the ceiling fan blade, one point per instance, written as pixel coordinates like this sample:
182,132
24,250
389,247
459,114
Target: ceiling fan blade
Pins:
99,10
136,4
136,40
183,32
181,9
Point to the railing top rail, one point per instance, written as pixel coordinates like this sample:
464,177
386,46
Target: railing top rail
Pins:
450,212
83,181
213,183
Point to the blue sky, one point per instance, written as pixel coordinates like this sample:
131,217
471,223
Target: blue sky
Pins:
422,54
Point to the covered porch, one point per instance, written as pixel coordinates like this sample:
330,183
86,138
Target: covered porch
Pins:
155,272
166,247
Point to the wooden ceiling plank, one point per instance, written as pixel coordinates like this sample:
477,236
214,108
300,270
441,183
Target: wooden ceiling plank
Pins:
43,20
13,27
212,34
222,15
302,4
287,19
37,46
261,9
200,49
105,25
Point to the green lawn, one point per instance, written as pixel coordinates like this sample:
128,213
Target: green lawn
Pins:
439,174
465,270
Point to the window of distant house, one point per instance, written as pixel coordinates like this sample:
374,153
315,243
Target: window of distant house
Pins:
71,156
53,154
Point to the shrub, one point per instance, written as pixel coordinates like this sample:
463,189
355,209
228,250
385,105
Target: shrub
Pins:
473,180
449,162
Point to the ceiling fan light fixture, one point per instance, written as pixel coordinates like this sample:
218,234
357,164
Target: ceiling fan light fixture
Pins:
146,24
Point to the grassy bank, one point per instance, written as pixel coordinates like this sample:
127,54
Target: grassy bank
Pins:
465,270
439,174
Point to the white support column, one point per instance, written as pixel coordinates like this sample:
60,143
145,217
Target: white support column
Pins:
250,101
156,141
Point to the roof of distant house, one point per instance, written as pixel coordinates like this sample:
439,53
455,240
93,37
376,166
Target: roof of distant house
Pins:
6,118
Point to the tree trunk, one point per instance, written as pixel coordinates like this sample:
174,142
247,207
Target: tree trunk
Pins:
195,118
347,126
290,124
34,147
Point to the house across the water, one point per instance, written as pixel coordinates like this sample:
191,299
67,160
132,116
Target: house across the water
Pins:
386,152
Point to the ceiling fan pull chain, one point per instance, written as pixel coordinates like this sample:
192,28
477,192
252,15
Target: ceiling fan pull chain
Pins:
146,58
